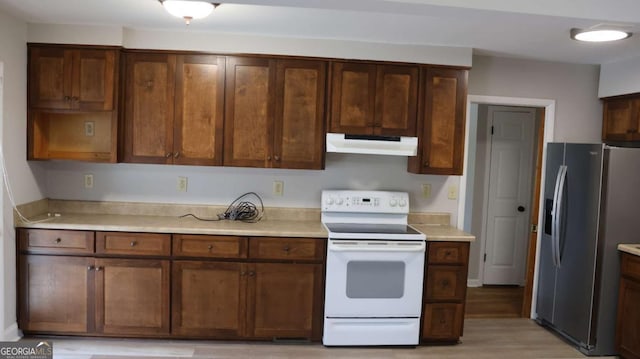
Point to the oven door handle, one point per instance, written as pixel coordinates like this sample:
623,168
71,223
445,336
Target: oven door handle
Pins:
363,247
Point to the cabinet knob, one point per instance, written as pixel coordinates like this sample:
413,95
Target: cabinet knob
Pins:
149,85
133,243
277,158
168,155
210,247
268,158
67,98
58,240
176,155
426,164
75,99
286,249
90,268
251,274
98,269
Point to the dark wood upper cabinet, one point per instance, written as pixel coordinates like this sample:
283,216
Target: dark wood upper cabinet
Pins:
72,78
371,99
299,127
174,108
274,113
250,93
199,110
441,122
72,96
149,107
621,120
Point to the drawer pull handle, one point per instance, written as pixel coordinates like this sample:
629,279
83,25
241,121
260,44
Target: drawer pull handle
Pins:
447,254
286,248
242,274
133,243
98,269
90,268
58,240
210,247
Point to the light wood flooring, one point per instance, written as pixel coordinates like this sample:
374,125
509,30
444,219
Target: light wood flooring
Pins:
483,338
494,302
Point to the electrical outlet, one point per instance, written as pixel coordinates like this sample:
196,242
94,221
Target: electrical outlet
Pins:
426,190
453,192
181,186
88,181
89,128
278,188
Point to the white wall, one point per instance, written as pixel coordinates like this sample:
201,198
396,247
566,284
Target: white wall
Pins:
13,53
573,87
619,78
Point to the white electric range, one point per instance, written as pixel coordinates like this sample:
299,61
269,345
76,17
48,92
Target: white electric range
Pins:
375,268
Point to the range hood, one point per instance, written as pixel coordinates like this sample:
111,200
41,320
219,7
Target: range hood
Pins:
372,145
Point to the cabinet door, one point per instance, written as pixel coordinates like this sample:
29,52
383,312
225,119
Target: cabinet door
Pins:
208,299
94,79
442,135
55,294
442,322
299,126
628,332
285,300
199,110
617,121
50,71
149,102
353,97
132,296
396,100
249,112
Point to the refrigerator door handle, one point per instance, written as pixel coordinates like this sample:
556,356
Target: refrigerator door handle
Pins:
558,213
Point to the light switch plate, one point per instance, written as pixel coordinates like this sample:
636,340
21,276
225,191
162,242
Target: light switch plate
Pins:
89,128
453,192
88,180
426,190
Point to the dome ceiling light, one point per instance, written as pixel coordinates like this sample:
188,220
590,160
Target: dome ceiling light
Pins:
599,35
188,10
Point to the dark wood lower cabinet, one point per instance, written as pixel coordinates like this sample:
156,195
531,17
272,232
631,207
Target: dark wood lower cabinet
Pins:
628,330
55,294
445,291
208,299
132,296
285,301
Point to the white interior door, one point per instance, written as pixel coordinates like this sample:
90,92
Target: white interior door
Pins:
509,198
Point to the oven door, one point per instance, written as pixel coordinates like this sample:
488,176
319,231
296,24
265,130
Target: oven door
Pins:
374,279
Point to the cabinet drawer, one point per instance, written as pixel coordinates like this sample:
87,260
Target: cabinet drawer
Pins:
448,253
442,322
286,248
446,283
55,241
209,246
631,266
147,244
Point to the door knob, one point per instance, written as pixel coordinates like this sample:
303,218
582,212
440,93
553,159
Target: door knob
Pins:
520,208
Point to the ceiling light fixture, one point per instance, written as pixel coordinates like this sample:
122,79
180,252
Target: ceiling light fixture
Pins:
599,35
188,10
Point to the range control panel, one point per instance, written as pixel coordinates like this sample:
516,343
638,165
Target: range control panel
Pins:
365,201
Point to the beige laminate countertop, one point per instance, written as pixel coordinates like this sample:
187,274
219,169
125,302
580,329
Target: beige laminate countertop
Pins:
167,224
630,248
441,232
165,218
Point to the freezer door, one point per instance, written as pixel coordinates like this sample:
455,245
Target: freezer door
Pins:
546,268
573,312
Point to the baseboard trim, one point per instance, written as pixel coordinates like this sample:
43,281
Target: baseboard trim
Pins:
474,283
12,333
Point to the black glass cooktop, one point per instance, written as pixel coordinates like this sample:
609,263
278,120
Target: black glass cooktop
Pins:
370,228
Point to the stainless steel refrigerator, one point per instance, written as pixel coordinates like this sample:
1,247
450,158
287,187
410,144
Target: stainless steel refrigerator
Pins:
591,204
